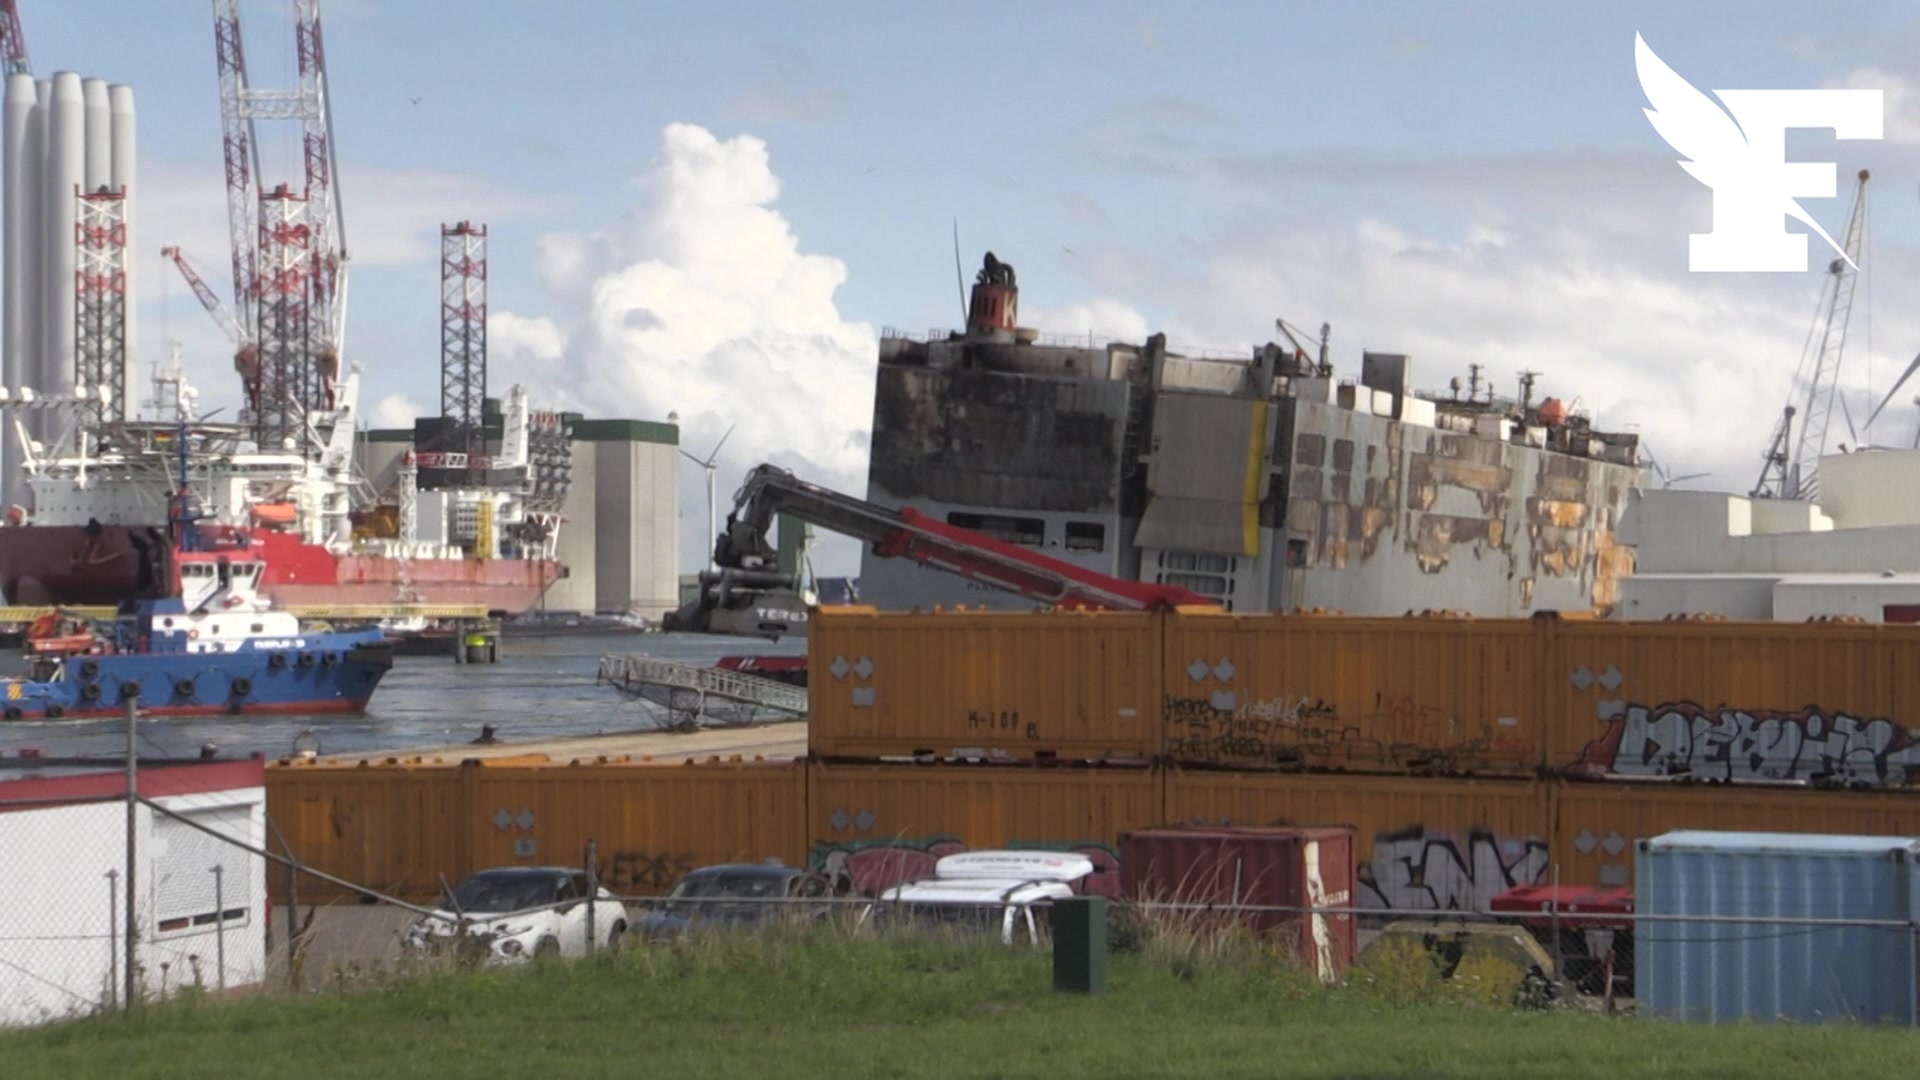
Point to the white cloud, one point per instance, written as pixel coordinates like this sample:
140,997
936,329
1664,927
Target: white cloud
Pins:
395,411
1900,102
699,301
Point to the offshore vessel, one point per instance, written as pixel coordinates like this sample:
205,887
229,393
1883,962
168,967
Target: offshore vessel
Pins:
1263,481
215,648
99,532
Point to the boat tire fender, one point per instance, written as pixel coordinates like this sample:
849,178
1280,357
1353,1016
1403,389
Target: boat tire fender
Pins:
306,659
13,712
129,689
277,661
329,658
183,687
90,691
242,686
89,668
55,712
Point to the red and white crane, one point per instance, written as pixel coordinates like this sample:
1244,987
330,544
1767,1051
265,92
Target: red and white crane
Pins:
13,43
246,355
289,245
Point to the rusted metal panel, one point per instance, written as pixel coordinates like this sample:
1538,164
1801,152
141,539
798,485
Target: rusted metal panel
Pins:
1382,511
1596,824
1740,702
391,829
649,824
872,826
1425,695
1423,843
1259,866
995,439
1000,686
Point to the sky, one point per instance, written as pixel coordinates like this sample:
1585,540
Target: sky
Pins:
714,210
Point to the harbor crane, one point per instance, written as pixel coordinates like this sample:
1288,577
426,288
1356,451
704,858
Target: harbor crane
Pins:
246,356
749,596
13,43
1791,464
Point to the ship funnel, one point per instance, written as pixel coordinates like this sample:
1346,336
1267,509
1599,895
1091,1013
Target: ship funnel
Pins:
995,305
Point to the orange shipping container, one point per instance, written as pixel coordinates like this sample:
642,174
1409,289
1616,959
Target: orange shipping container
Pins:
1422,844
1014,686
650,823
1596,825
870,826
1382,695
391,829
1733,701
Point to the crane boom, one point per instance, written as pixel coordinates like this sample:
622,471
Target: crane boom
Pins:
208,300
748,571
1823,366
13,42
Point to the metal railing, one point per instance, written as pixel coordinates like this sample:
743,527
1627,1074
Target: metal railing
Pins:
637,674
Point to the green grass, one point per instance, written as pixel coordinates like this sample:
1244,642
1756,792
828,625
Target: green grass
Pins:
824,1006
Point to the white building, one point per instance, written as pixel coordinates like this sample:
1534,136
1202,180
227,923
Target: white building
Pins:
1856,552
63,923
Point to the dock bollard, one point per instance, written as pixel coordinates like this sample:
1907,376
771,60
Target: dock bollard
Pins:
1080,945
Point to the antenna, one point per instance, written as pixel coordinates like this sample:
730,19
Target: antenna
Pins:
959,277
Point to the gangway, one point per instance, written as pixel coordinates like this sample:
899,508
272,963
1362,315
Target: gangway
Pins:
692,693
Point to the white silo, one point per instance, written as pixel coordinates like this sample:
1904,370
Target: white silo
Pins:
66,168
99,137
21,174
120,101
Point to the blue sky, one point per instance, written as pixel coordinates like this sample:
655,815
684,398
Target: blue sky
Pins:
1470,182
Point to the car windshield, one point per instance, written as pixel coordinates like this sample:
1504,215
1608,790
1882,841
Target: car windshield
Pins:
715,885
494,893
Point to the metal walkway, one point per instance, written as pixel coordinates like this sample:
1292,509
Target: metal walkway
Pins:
696,693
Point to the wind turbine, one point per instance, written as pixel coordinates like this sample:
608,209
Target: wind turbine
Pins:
713,526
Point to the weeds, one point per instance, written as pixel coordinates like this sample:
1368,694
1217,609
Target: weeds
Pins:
1187,997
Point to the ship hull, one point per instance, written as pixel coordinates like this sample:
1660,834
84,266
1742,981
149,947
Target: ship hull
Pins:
320,673
43,565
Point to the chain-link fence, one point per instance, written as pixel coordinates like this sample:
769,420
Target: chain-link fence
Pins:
196,918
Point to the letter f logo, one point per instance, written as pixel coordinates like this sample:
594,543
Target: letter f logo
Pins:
1743,158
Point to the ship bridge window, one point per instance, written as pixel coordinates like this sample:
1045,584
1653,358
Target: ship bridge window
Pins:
1086,536
1027,532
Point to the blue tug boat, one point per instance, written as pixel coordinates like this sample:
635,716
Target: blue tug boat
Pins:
214,648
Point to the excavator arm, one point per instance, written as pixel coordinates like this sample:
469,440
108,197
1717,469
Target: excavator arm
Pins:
748,595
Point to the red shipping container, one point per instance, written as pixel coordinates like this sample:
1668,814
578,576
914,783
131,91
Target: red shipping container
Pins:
1275,867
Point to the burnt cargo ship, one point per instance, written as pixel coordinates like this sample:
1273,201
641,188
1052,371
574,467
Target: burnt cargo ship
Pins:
1262,481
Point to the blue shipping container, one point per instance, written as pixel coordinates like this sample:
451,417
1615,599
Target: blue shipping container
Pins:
1725,971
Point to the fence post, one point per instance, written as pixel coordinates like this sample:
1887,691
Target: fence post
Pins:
593,890
113,932
133,824
1080,944
220,922
1559,954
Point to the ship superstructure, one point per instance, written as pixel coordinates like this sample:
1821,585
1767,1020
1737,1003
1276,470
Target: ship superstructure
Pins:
1263,481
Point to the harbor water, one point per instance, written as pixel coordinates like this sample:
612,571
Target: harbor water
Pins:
543,686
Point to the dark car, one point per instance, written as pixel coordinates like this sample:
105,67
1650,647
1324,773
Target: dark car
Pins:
737,895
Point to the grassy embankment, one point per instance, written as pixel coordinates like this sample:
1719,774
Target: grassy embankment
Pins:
825,1006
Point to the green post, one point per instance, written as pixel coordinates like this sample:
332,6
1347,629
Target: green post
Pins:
1080,945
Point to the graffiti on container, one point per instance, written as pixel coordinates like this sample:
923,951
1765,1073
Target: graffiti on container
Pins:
870,867
1813,744
1417,870
1302,732
641,871
1001,720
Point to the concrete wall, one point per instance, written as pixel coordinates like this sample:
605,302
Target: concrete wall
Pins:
62,929
1877,487
1799,599
636,525
1737,596
578,590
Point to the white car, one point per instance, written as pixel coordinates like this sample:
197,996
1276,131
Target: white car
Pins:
518,912
1000,893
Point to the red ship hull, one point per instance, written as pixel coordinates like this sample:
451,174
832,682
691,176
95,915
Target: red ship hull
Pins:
79,565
